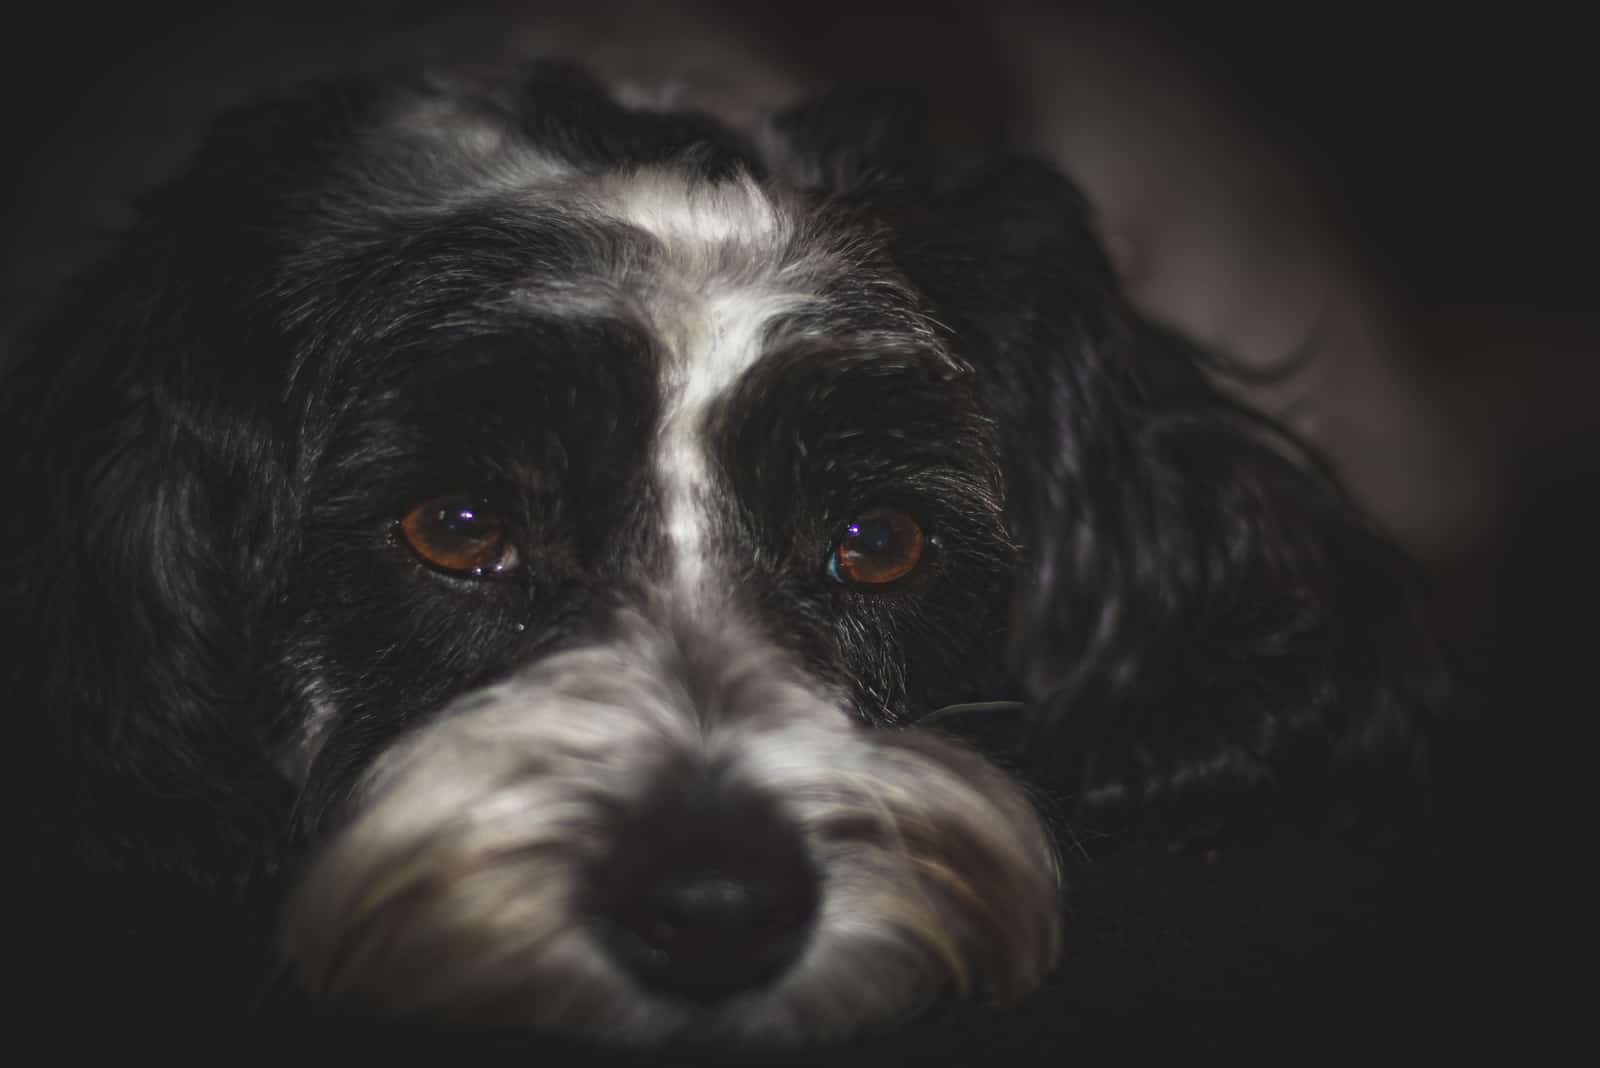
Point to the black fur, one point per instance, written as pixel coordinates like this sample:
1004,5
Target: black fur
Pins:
205,447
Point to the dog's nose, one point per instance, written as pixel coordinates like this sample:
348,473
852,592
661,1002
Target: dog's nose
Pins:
705,897
706,935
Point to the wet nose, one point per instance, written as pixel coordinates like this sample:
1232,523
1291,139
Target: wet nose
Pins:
707,893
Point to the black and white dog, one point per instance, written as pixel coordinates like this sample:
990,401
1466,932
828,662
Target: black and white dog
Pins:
493,552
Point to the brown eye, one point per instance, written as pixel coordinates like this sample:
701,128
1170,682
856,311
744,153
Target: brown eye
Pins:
461,535
878,547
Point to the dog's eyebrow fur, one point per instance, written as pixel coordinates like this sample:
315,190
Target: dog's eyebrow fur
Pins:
722,261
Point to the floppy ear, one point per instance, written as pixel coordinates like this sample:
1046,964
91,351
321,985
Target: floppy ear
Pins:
145,535
1210,633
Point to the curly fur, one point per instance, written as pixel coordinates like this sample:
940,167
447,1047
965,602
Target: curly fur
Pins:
218,666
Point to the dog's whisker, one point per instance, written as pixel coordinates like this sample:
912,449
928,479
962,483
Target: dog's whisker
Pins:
948,712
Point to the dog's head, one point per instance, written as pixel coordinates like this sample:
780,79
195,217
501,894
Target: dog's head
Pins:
532,531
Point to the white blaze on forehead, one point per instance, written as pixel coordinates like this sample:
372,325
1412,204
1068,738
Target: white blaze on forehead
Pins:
728,270
720,347
693,216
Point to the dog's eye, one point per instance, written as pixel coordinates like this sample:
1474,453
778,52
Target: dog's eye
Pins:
461,535
878,547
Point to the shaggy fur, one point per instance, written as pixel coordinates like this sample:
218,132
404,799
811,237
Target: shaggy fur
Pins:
260,733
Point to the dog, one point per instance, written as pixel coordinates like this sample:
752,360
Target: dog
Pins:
493,553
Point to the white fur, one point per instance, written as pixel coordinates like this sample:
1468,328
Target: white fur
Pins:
729,268
456,891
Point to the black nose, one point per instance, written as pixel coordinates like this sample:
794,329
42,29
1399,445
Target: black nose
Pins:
707,894
706,935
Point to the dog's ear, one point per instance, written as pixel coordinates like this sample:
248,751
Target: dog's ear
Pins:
1210,632
139,436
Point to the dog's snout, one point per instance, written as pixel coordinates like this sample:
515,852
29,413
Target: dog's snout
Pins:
709,935
708,894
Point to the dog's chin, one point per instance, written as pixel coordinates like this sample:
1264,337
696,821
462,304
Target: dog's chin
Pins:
532,860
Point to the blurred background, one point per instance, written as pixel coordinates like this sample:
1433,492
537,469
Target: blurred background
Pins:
1407,196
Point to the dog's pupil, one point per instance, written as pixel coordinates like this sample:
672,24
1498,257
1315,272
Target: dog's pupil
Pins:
878,547
459,534
462,522
874,535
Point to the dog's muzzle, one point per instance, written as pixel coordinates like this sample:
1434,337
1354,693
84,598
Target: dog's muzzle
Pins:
622,843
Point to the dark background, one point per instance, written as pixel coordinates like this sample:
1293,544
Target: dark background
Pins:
1459,143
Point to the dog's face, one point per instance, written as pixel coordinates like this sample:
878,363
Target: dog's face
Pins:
620,532
533,530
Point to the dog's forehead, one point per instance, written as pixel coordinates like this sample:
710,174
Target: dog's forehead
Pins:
738,269
673,230
724,268
695,216
709,266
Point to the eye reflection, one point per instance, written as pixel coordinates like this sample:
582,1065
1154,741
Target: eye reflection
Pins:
459,534
878,547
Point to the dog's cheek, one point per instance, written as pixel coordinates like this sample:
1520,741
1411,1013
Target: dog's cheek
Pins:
376,644
909,653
